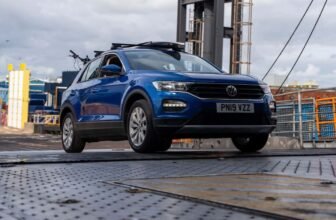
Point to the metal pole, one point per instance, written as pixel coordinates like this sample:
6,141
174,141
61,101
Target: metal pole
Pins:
209,31
314,123
300,119
181,22
294,120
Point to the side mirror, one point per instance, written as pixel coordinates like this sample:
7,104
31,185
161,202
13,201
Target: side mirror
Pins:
110,70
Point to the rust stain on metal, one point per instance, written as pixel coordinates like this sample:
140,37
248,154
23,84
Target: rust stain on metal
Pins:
289,196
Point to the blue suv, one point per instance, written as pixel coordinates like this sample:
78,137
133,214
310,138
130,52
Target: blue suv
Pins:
153,92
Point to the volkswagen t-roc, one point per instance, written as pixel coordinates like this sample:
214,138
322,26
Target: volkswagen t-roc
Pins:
153,92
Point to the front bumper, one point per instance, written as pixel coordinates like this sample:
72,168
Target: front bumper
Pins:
201,120
182,129
221,131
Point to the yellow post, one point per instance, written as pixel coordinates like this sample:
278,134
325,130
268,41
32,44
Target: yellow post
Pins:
10,67
25,94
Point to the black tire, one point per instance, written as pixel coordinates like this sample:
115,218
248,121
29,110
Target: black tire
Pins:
76,144
250,144
164,144
151,140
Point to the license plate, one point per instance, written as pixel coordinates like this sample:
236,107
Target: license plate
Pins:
235,108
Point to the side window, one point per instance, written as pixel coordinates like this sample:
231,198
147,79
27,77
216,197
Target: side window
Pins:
192,67
112,59
82,78
91,71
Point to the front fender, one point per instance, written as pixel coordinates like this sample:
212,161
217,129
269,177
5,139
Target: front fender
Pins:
131,93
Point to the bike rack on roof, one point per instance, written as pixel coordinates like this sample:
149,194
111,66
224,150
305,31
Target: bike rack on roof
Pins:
159,45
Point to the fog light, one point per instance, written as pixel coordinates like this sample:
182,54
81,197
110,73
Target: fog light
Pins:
173,105
272,106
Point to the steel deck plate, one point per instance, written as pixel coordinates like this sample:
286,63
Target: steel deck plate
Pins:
101,156
290,196
88,190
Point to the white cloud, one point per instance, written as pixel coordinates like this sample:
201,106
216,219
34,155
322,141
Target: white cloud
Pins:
42,32
310,71
43,71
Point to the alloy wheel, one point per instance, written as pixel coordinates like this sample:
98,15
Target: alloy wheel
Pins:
68,133
138,126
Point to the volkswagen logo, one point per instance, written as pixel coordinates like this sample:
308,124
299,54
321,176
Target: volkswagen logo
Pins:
231,91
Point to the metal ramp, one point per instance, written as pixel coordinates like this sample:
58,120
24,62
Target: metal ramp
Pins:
142,189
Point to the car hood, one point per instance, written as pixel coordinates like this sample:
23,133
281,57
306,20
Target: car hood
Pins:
199,77
220,78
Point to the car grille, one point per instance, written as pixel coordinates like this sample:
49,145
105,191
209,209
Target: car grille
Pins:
218,91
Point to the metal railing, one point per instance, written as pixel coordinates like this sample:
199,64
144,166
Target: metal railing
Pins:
45,119
310,120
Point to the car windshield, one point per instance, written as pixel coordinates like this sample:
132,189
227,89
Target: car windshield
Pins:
164,60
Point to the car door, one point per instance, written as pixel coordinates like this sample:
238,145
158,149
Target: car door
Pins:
111,89
87,86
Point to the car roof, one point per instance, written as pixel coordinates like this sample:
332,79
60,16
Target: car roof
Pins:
135,49
117,47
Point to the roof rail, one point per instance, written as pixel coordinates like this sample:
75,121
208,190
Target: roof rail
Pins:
98,52
121,45
151,44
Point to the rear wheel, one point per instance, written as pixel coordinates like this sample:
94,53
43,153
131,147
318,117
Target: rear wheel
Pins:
71,141
250,144
140,130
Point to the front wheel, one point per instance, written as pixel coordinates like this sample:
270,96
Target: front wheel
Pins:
250,144
164,144
71,141
141,133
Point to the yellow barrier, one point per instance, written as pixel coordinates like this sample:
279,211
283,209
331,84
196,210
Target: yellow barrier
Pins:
183,141
46,119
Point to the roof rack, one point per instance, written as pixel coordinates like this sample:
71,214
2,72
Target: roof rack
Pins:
161,45
98,52
120,45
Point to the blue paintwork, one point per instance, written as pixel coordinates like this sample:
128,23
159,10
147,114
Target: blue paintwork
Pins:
103,99
114,69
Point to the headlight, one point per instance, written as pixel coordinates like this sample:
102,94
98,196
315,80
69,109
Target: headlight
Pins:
170,86
266,89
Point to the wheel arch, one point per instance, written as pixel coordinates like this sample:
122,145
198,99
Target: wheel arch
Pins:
131,98
66,108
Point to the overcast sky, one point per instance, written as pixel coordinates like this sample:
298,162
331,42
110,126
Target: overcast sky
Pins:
41,32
